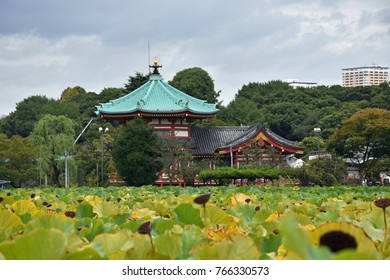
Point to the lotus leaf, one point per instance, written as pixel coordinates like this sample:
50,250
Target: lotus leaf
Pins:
240,197
88,252
9,220
216,216
364,243
40,244
187,214
51,221
169,244
144,214
238,247
296,242
114,242
143,249
22,207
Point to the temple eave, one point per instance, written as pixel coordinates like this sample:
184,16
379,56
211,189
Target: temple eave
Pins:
154,114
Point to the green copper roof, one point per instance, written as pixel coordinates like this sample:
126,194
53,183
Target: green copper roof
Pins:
156,97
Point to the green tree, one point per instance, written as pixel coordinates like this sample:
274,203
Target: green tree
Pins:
240,111
17,160
108,94
83,102
321,171
134,82
54,137
72,94
22,120
197,83
137,154
89,151
364,138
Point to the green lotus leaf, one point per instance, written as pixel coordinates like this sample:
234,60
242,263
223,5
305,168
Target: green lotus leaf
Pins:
143,249
374,233
40,244
9,220
239,247
271,244
162,225
187,214
84,210
190,237
105,209
244,212
87,252
216,216
168,244
185,198
51,221
161,208
297,243
114,242
328,216
261,215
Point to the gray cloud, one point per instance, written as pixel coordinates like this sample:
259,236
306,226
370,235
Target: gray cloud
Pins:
48,45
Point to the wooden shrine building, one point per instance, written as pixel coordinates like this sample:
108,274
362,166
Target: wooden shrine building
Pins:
171,112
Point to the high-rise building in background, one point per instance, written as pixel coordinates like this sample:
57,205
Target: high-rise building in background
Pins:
365,75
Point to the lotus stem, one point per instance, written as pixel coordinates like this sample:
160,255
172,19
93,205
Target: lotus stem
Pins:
385,232
151,243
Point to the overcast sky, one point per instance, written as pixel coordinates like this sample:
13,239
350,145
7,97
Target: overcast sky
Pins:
49,45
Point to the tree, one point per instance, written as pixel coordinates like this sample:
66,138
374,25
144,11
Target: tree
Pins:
364,138
134,82
240,111
54,136
89,151
197,83
78,96
72,94
17,160
22,120
321,171
137,154
108,94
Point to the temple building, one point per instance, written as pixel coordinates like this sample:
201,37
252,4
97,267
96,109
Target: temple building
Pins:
171,113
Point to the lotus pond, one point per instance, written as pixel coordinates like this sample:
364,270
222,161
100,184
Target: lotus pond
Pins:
194,223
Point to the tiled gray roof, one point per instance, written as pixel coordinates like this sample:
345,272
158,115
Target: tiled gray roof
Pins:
206,140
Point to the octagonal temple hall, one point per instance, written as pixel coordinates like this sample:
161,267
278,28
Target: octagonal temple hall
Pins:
171,112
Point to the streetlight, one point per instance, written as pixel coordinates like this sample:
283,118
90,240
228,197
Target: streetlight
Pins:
318,130
102,131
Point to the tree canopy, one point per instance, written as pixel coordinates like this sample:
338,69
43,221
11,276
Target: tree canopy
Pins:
134,82
137,154
17,160
54,137
197,83
364,138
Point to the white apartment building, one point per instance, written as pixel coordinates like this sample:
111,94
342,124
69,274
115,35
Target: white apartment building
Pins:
365,76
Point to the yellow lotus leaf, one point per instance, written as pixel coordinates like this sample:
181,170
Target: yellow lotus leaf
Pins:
93,199
22,207
364,243
273,217
309,227
9,220
143,213
222,233
240,197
